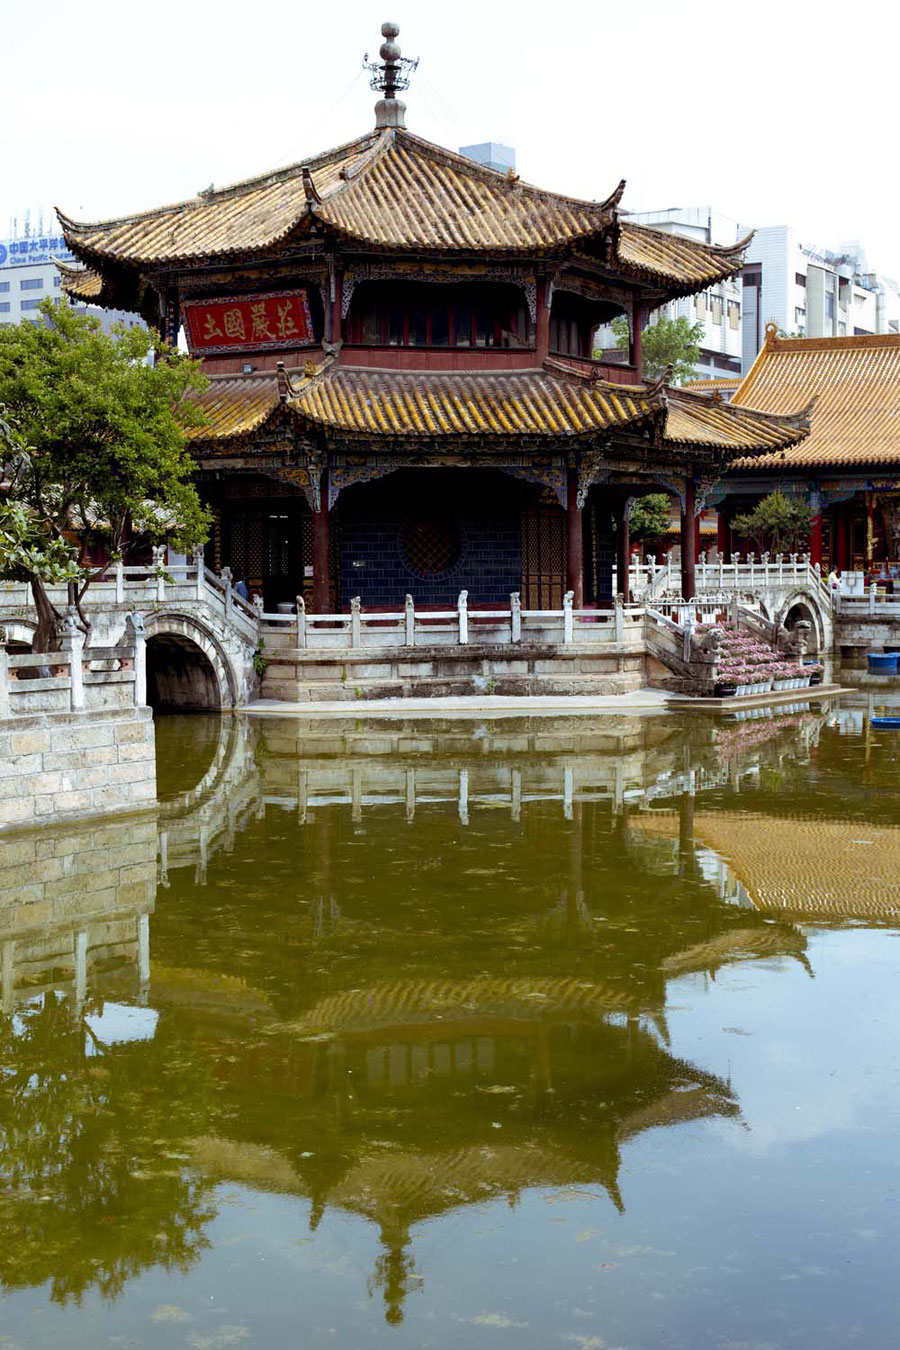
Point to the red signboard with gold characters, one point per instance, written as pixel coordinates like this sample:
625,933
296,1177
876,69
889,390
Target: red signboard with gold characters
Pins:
248,322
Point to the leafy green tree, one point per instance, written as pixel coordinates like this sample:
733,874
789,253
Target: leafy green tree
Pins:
92,438
650,517
778,524
667,342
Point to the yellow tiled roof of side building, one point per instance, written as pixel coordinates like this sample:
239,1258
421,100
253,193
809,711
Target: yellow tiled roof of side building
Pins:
855,382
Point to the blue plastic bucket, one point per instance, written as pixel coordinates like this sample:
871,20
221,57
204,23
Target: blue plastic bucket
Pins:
883,663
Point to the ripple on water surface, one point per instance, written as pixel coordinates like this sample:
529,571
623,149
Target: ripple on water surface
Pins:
561,1032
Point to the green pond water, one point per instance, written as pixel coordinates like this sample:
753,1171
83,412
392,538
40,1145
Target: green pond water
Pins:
562,1033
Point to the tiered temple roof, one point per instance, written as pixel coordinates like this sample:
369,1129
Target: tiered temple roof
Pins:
393,190
390,206
350,402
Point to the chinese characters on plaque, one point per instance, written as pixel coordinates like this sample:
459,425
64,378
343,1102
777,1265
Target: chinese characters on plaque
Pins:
248,323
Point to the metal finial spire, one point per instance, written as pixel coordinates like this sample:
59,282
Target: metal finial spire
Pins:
389,76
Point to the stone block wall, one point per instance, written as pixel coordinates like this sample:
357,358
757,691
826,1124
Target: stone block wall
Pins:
67,764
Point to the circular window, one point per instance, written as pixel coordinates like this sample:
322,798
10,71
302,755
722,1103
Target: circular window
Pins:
430,548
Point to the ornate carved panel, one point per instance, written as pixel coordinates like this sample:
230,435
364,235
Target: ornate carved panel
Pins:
548,471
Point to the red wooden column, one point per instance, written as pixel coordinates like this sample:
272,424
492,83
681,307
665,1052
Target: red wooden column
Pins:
337,304
722,530
321,588
574,541
624,559
815,529
688,541
637,358
542,327
842,532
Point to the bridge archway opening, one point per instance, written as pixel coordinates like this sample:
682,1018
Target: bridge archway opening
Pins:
798,611
180,676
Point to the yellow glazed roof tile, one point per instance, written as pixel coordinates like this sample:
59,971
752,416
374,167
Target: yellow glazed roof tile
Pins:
698,419
393,190
235,407
515,403
663,257
370,404
855,382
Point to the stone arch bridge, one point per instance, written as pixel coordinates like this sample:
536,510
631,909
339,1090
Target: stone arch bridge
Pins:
783,588
201,636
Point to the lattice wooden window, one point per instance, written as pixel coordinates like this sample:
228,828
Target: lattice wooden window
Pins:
430,547
543,557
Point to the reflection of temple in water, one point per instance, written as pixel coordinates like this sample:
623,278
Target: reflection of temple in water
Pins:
457,1033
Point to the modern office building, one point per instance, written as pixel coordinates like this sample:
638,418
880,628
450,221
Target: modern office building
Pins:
28,275
492,155
809,291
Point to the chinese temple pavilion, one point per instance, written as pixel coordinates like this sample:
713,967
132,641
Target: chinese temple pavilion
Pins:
403,395
847,468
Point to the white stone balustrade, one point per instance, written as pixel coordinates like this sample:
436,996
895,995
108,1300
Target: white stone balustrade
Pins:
620,625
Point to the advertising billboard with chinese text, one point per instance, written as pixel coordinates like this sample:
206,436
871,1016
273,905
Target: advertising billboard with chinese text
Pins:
35,249
248,323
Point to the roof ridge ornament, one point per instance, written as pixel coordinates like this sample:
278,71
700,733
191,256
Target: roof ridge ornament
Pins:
390,76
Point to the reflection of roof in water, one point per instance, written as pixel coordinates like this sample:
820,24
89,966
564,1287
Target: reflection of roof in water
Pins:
801,867
410,1001
739,944
387,1183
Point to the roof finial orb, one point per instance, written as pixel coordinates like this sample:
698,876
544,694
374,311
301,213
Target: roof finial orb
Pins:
388,77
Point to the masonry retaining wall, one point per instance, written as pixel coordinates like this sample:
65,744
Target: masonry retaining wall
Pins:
60,765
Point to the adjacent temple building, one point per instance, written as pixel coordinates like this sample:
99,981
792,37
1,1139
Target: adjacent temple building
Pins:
403,395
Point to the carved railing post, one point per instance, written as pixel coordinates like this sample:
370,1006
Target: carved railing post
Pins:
873,596
225,574
137,637
159,564
409,621
779,558
619,619
120,581
200,575
4,676
515,617
301,622
568,620
356,621
462,609
72,645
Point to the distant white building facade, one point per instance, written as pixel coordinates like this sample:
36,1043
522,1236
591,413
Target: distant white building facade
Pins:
807,291
719,308
29,275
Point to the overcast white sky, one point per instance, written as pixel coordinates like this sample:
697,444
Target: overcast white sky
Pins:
772,112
